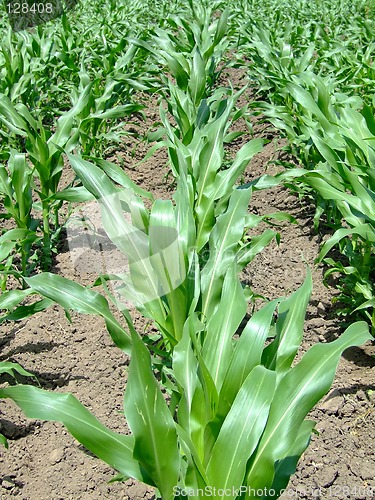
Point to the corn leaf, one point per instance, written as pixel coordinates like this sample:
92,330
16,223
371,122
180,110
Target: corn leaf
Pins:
113,448
366,231
10,368
299,390
224,240
280,353
151,422
241,431
221,327
71,295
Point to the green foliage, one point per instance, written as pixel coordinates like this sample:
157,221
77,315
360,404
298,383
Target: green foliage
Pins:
231,408
215,405
317,75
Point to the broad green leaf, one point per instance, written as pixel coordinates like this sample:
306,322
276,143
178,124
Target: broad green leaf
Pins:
11,118
73,194
6,249
251,249
71,295
11,298
151,422
299,390
10,368
366,231
224,240
113,448
118,175
280,354
23,312
185,369
197,83
222,188
16,235
247,355
218,348
196,476
66,121
365,305
131,241
241,431
328,192
287,466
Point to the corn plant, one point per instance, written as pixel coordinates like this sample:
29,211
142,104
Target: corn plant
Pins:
225,411
191,56
44,152
231,396
235,424
16,195
161,248
84,124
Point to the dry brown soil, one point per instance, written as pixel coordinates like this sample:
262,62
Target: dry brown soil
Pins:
44,462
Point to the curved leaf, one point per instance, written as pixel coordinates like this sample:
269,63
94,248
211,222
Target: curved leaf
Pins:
71,295
113,448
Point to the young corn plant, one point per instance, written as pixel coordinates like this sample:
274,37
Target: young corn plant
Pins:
16,196
96,121
11,369
162,250
235,425
83,125
191,56
44,168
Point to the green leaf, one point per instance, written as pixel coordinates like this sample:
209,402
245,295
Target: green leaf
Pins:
71,295
224,240
287,466
366,231
118,175
151,422
11,298
113,448
185,369
73,194
218,348
10,368
247,355
297,393
256,244
22,312
241,431
280,354
11,118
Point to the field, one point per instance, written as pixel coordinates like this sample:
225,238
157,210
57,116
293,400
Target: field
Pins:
187,206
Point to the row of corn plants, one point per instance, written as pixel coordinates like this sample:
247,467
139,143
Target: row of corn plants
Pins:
330,129
338,151
55,97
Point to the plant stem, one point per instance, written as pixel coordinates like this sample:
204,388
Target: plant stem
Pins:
47,261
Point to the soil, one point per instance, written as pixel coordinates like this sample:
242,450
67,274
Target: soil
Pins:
44,462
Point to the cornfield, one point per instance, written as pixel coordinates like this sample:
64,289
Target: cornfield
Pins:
160,163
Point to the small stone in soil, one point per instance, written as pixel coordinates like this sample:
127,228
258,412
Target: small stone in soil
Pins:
56,456
332,405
